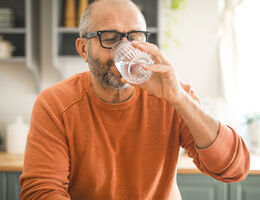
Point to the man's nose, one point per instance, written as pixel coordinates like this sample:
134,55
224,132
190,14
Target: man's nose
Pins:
124,39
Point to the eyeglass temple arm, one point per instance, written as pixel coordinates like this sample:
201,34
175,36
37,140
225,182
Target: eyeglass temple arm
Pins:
91,34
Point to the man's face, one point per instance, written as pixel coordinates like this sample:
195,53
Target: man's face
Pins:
119,17
103,70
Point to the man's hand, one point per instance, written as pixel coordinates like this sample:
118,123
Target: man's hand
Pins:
164,83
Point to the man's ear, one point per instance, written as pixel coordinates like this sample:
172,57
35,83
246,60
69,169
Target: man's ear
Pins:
82,48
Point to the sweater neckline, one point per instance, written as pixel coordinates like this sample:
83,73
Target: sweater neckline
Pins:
105,105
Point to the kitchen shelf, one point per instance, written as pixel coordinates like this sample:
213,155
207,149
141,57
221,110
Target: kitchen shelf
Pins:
18,41
17,59
68,30
12,30
25,35
19,8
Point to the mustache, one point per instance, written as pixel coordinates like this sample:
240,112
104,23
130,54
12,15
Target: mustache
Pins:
109,63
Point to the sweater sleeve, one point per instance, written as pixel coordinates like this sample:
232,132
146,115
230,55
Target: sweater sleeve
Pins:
46,162
227,159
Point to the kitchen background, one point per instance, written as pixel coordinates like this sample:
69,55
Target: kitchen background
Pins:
189,32
213,44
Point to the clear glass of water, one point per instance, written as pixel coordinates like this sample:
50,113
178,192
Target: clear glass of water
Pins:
129,61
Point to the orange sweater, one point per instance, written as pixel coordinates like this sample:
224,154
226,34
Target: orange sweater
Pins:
82,148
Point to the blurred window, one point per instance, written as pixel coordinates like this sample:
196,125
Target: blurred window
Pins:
247,30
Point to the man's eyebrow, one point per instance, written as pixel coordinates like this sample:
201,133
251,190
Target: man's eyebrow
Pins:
134,30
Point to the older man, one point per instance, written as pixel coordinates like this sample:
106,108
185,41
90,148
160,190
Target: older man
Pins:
93,137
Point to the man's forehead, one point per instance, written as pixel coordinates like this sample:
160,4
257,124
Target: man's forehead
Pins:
100,4
111,16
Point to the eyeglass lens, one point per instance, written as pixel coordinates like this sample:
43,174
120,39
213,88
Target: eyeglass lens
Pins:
108,39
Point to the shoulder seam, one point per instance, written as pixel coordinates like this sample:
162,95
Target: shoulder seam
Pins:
60,118
74,102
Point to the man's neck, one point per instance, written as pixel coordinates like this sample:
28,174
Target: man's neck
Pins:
111,95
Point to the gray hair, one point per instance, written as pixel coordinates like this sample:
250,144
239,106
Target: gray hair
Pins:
86,23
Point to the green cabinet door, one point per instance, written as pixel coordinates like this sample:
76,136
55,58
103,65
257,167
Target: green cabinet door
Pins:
3,186
201,187
192,187
249,189
9,185
13,186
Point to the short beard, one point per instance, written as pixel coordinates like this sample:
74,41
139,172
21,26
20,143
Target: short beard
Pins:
102,73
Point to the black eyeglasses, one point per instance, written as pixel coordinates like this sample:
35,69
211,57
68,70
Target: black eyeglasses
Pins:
108,38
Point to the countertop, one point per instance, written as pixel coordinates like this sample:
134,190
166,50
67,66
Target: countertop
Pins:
14,163
186,165
11,162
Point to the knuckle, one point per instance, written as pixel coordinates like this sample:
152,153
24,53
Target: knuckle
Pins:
155,46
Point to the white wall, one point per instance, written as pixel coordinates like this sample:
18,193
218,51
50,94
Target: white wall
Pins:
17,94
195,60
196,57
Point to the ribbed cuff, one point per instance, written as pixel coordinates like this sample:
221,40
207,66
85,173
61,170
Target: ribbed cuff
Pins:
218,154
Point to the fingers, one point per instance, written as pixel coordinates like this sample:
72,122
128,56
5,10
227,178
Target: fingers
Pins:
146,47
156,68
144,43
123,80
153,50
159,68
